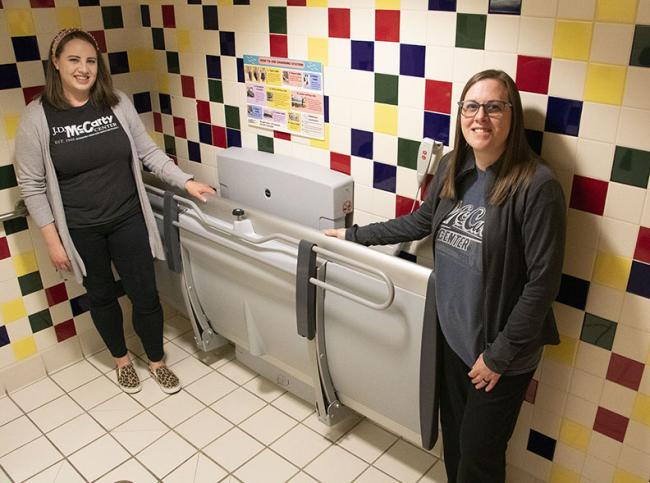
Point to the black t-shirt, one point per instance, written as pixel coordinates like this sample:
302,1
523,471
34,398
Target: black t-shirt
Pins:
92,158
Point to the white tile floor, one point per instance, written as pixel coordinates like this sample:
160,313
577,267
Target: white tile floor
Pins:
227,424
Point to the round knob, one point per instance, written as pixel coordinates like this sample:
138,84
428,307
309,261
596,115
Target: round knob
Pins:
238,212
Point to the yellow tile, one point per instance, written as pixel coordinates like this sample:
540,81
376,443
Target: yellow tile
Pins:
184,41
24,347
386,119
560,474
575,435
572,40
25,263
13,310
616,11
68,17
325,143
562,353
622,476
224,2
387,4
605,83
19,22
163,82
611,270
317,3
141,60
641,409
11,125
317,49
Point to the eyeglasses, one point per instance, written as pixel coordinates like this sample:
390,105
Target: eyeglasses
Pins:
492,108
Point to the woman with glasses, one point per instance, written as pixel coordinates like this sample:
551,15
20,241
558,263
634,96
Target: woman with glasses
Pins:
497,215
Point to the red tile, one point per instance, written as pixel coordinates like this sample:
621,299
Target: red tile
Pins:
437,96
56,294
4,248
100,38
339,22
179,127
387,25
404,205
278,45
65,330
157,122
282,135
296,3
624,371
588,194
203,111
29,93
425,186
187,86
533,73
169,20
531,392
642,251
340,162
610,424
219,136
41,3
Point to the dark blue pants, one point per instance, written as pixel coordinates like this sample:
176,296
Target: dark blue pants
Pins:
126,244
476,425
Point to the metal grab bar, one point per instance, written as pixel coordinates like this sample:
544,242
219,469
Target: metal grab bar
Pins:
295,242
20,210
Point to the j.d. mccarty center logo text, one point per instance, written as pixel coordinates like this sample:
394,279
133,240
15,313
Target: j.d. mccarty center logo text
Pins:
463,225
77,132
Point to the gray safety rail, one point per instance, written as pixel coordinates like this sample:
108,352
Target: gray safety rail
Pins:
19,211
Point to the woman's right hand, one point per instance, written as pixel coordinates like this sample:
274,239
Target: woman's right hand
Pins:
335,232
59,257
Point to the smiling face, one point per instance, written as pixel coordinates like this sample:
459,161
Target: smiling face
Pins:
487,135
77,66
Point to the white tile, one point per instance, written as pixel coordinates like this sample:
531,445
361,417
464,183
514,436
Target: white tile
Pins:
632,343
559,150
437,474
632,129
302,477
8,410
301,445
173,353
132,470
441,29
594,159
599,121
267,467
465,62
150,393
98,457
387,57
586,386
232,449
535,106
502,33
210,388
55,413
21,463
604,448
186,341
166,454
237,372
579,10
36,394
333,433
95,392
536,36
238,405
373,475
336,465
75,375
176,408
617,238
115,411
61,472
102,360
264,389
139,432
634,461
637,436
362,24
203,428
636,313
367,441
268,424
567,78
16,433
405,462
624,202
597,470
198,469
539,8
611,43
75,434
636,82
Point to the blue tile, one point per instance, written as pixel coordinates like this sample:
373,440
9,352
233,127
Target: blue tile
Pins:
535,139
158,37
573,291
4,337
639,281
363,55
408,256
436,126
240,70
194,2
194,151
165,103
384,177
563,116
9,78
445,5
227,41
142,102
210,17
119,62
26,48
233,137
411,60
213,65
205,133
241,2
541,445
361,143
145,15
80,304
326,108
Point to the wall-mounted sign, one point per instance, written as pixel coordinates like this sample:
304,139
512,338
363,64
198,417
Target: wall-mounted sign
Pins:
285,95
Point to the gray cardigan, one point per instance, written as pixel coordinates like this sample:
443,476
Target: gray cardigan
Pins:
39,186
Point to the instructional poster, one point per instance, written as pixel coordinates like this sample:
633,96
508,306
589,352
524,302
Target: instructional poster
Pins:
285,95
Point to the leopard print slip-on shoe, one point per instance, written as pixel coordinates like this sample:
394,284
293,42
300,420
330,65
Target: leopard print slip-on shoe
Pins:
128,379
166,379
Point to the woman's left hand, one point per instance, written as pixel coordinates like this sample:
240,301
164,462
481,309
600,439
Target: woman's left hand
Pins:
198,189
482,376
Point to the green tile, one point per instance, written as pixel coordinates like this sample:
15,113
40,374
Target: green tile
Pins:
15,225
112,17
631,166
30,283
278,20
215,90
173,65
386,88
170,144
264,144
407,153
40,320
7,177
232,117
598,331
641,46
470,30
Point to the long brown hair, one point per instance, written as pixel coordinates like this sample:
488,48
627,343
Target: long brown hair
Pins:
102,94
518,162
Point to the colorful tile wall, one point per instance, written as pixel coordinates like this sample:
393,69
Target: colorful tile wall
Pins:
393,71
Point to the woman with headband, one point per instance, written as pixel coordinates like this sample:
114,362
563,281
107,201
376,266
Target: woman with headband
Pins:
79,150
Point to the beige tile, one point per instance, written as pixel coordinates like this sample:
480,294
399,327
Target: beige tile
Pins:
16,375
8,410
210,388
580,410
21,463
98,457
264,389
203,428
636,312
604,448
637,436
604,301
611,43
634,461
268,467
115,411
436,474
186,341
597,470
174,354
232,449
75,434
592,359
76,375
336,465
176,408
37,394
103,361
582,10
199,468
237,372
268,424
150,393
131,470
617,398
624,202
238,405
55,413
367,441
632,343
139,432
166,454
16,433
586,386
301,445
190,369
95,392
61,472
636,84
405,462
568,457
302,477
333,433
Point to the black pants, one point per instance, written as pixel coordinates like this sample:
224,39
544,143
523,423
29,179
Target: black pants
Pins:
476,425
126,244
